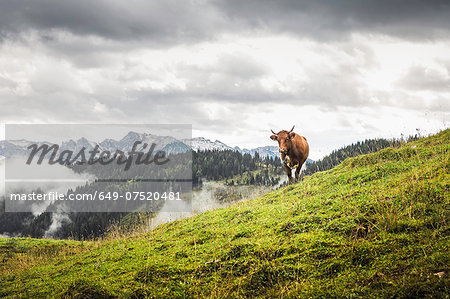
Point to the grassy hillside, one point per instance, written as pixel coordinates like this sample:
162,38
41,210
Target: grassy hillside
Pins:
376,225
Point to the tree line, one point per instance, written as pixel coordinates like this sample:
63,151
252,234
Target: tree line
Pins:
235,168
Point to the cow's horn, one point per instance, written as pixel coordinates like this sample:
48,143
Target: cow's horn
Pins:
292,129
273,132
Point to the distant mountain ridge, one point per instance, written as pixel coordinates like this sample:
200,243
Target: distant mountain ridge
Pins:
167,144
203,144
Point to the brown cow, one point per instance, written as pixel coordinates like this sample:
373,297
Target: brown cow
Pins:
294,151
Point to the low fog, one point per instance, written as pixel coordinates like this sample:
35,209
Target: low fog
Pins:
48,178
205,200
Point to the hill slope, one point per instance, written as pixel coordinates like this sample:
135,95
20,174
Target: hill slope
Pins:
376,225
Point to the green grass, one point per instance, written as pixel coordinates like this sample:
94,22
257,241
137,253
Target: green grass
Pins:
374,226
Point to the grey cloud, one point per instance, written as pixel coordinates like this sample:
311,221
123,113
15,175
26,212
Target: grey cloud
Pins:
52,108
422,78
327,86
81,52
168,22
239,65
6,83
403,99
162,22
232,78
333,87
440,104
331,19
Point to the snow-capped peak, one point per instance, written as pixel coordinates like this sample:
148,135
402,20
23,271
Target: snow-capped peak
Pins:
203,144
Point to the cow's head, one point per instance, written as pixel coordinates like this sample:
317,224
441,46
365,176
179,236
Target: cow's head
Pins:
284,140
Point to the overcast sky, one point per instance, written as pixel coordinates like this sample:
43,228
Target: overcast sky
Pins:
340,71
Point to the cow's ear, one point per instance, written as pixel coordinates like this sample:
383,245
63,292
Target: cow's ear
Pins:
273,137
291,135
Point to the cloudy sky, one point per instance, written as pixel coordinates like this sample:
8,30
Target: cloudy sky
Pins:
341,71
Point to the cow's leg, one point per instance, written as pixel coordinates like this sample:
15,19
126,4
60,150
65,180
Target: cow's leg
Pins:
289,173
297,172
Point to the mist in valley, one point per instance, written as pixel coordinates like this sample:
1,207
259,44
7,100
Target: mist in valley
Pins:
52,178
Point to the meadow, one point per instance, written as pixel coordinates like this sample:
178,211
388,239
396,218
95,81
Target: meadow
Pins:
374,226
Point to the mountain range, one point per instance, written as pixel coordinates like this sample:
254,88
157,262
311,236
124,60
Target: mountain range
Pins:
167,144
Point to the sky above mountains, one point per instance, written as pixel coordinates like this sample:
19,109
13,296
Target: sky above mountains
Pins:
341,71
